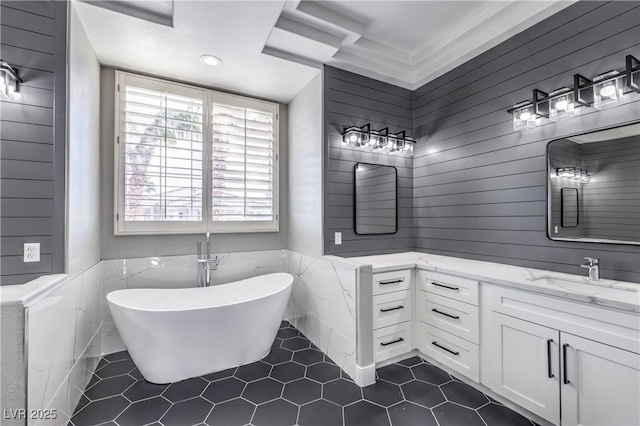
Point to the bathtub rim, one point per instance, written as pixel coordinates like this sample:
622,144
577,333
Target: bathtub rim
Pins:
284,287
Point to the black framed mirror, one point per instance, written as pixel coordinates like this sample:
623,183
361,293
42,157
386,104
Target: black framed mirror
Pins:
593,186
375,199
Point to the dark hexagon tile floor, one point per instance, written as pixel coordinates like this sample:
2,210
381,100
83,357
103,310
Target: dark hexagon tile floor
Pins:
296,384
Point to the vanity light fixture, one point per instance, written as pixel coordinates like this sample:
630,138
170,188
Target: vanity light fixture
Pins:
561,104
380,141
9,81
604,90
607,89
566,172
378,138
584,176
573,173
356,136
523,116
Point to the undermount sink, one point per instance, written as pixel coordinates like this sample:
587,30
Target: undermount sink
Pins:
560,281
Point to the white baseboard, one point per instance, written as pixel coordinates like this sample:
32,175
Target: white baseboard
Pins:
366,375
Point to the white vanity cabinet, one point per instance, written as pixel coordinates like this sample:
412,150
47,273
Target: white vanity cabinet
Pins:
538,360
392,314
448,321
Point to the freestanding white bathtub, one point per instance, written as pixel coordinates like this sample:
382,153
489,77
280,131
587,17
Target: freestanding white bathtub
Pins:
175,334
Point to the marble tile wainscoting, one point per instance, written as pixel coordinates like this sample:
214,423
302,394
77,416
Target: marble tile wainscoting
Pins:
70,327
323,306
63,344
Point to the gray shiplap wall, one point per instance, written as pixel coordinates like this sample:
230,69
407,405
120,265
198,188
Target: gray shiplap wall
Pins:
479,187
32,185
612,196
354,100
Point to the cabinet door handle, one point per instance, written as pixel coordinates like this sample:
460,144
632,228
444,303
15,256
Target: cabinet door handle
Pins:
445,314
398,340
549,373
445,349
445,286
392,309
564,363
391,282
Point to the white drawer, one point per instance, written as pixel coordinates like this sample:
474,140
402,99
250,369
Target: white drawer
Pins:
386,282
462,289
392,341
456,353
449,315
391,308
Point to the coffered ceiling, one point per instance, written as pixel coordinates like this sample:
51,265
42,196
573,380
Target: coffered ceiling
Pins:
272,49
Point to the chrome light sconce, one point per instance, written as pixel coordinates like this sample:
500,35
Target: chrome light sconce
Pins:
9,81
604,90
380,141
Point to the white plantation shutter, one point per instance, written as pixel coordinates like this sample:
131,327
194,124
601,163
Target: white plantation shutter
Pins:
243,161
164,183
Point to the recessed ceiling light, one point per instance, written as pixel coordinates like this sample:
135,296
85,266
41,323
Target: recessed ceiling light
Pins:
210,60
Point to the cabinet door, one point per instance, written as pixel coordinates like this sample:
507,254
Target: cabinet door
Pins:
600,384
525,365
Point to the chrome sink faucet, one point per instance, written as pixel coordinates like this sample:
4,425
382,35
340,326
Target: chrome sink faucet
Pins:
206,264
593,264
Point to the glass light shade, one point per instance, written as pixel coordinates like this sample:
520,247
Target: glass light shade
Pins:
8,86
584,176
353,136
562,105
607,90
524,118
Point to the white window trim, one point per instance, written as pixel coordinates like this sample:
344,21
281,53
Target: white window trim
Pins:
122,227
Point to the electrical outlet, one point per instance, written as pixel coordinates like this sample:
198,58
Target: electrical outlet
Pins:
338,238
32,252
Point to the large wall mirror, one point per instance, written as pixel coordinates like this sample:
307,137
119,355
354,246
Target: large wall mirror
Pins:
593,191
375,202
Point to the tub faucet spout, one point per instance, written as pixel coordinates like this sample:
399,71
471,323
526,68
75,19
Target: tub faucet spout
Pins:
206,264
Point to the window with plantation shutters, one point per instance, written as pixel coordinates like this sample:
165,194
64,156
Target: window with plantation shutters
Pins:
193,160
243,163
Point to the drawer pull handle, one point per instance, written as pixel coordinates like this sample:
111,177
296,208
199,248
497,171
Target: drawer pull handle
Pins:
398,340
445,314
391,282
392,309
443,348
549,373
445,286
564,363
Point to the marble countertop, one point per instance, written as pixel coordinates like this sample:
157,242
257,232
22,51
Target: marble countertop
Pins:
31,291
607,293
